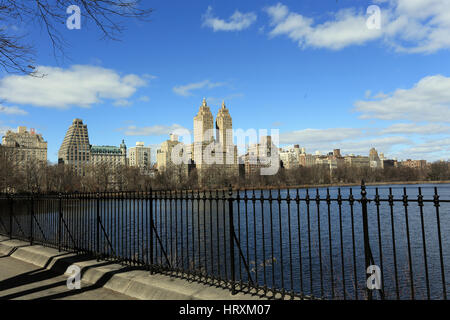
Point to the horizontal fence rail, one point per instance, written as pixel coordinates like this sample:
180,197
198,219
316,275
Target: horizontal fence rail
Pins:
329,243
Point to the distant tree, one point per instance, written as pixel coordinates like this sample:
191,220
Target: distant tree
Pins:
16,53
8,172
439,170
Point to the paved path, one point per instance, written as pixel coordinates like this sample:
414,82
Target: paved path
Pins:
21,280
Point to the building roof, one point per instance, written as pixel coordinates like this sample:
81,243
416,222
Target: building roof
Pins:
106,150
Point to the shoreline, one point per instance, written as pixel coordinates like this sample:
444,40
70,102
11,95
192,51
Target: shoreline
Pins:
316,186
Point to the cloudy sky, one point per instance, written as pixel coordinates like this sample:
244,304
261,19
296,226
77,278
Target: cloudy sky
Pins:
312,69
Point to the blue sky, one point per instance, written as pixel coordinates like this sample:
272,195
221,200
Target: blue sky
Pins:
312,69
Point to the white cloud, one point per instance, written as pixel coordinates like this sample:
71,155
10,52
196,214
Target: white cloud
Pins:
314,136
157,130
238,21
144,99
349,140
412,26
218,101
12,110
79,85
4,129
348,28
185,90
122,103
414,128
428,150
427,100
383,144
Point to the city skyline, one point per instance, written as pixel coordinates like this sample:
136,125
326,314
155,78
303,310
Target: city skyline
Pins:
78,136
353,92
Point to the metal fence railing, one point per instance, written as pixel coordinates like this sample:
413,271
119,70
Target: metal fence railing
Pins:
290,243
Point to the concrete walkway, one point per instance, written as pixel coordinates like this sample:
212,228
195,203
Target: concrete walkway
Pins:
20,280
37,272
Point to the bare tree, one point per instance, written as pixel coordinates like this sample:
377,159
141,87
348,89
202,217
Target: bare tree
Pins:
16,54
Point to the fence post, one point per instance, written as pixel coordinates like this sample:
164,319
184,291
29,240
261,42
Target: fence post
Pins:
31,218
366,234
11,212
97,245
230,212
151,232
59,220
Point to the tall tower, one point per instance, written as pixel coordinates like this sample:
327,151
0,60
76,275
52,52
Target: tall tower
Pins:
123,148
224,123
203,124
203,132
75,149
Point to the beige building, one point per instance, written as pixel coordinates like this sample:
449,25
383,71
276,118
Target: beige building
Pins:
112,156
203,133
75,149
374,159
140,156
290,157
24,146
257,155
214,152
164,153
415,164
357,161
307,160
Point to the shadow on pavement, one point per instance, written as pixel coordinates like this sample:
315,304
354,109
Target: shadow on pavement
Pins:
98,284
41,274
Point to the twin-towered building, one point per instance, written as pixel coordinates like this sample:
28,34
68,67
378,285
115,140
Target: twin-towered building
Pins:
212,148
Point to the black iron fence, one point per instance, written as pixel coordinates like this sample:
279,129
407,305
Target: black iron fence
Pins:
290,243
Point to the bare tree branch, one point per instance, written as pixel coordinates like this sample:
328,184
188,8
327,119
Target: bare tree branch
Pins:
17,55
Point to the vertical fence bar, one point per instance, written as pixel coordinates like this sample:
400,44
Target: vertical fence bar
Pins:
366,234
31,218
424,244
11,213
394,251
152,262
281,244
308,217
441,257
59,220
351,201
330,244
97,245
246,232
380,246
299,234
239,235
320,242
254,239
231,223
263,242
339,201
411,278
288,200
